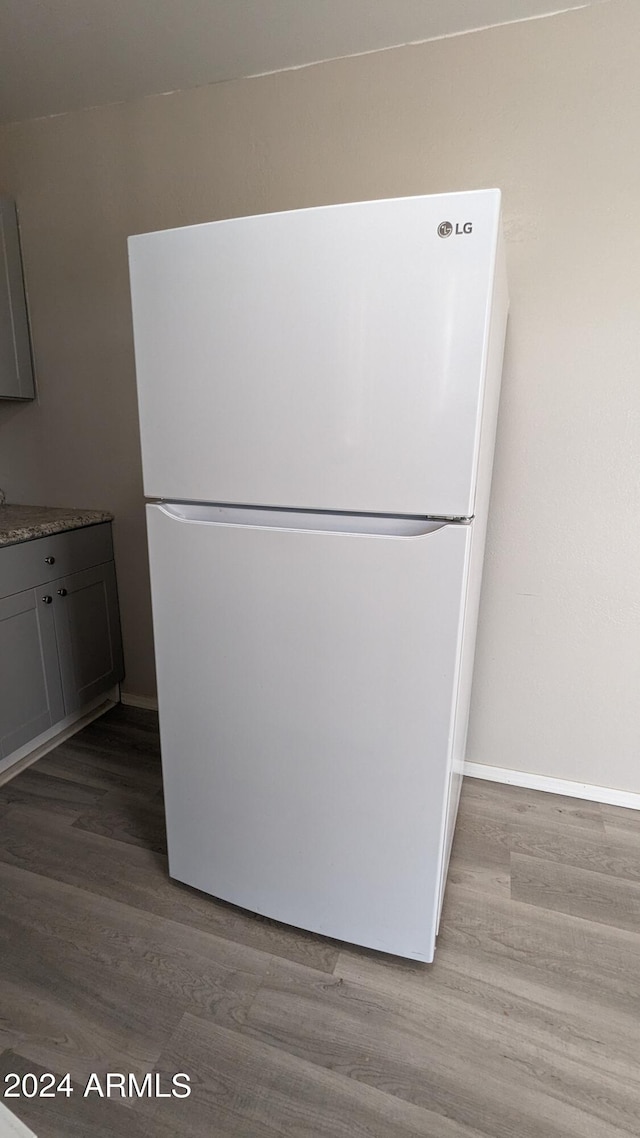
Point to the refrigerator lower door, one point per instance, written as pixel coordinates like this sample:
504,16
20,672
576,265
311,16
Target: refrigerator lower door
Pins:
307,683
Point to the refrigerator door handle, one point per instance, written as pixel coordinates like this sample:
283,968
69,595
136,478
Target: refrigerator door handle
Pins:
372,525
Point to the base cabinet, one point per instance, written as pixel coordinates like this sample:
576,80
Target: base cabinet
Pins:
31,698
60,643
85,608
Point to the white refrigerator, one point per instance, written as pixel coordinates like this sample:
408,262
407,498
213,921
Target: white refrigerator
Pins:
318,394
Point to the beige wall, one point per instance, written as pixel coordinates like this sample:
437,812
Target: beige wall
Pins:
548,111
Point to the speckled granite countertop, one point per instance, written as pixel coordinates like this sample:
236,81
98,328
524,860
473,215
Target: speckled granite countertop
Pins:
22,523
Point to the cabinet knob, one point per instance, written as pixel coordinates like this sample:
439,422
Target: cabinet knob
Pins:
62,592
50,560
47,600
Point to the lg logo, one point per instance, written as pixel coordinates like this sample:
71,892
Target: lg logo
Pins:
445,228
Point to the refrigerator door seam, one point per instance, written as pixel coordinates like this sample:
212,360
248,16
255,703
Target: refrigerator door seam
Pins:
338,524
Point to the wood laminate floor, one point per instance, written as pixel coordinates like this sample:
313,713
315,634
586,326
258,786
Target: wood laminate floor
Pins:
526,1026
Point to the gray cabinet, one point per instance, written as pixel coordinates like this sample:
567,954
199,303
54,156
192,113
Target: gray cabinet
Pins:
60,644
30,689
16,369
85,607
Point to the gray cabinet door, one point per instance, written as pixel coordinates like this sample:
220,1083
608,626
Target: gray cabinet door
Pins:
30,690
88,634
16,370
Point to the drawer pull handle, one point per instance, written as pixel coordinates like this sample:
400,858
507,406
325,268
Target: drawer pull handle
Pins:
47,600
62,592
50,560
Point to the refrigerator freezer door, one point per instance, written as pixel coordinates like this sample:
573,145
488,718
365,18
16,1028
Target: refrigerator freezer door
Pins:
307,684
329,358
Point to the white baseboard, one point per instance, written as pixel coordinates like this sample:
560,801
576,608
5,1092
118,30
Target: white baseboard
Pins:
25,756
12,1127
132,700
627,798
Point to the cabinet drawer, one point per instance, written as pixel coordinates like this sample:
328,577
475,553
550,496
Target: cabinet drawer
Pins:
25,566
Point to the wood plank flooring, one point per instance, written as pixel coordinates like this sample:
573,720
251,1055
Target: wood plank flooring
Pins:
526,1026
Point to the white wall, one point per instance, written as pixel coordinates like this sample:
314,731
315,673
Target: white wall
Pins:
547,110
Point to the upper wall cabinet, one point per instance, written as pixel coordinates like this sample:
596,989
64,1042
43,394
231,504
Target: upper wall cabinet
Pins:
16,370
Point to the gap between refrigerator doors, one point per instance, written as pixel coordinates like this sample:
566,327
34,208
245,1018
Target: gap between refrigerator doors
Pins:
315,521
